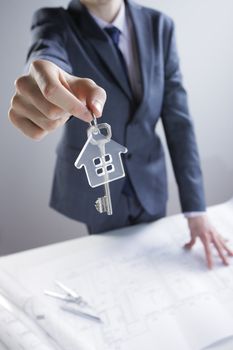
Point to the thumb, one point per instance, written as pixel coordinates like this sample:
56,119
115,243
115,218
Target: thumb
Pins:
89,93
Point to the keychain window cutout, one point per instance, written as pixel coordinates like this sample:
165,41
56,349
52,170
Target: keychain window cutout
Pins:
100,171
108,158
101,156
110,168
107,169
97,161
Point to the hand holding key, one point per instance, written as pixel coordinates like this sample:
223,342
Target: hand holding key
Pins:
47,97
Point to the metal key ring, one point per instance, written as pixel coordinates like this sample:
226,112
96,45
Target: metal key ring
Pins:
93,122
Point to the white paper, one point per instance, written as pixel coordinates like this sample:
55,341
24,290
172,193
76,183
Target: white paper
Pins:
38,321
145,287
18,332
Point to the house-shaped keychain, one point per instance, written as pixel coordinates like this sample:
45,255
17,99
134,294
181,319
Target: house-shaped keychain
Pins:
101,159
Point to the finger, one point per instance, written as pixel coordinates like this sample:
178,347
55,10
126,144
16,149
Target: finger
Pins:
190,244
30,112
55,92
26,126
89,92
27,89
208,255
219,249
228,250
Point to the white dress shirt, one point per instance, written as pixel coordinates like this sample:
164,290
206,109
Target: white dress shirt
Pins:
127,45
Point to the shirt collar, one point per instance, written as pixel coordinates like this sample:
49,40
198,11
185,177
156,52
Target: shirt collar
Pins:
119,22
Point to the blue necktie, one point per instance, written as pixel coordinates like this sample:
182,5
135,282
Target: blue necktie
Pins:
114,33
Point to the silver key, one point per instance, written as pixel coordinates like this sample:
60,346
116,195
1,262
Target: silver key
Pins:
104,204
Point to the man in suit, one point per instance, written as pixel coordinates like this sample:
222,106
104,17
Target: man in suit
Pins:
128,51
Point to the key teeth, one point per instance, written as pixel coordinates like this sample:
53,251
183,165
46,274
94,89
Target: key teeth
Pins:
98,205
101,205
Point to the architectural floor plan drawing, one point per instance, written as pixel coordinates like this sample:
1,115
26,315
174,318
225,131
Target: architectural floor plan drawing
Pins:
19,332
148,291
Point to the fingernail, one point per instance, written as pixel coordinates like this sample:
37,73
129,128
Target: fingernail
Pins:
61,116
98,105
56,117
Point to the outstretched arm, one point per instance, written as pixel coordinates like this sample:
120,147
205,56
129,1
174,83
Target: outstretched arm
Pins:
49,94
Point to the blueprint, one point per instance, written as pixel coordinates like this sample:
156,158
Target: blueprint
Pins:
28,323
148,291
18,332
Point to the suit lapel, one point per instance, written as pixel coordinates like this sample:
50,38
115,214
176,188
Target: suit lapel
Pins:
109,57
101,43
141,25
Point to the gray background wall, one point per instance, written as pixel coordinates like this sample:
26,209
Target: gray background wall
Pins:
204,35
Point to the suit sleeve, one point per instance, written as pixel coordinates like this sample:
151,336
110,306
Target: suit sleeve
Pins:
48,38
179,131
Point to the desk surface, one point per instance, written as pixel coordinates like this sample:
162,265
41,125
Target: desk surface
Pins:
139,279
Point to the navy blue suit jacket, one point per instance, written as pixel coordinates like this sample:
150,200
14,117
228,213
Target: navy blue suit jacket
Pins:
71,39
